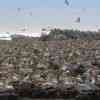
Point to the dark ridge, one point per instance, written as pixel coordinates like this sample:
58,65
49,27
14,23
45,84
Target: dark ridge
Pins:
59,34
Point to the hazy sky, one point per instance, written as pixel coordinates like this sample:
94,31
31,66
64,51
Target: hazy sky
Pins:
53,13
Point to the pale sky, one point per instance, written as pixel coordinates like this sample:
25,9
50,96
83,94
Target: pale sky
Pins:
53,13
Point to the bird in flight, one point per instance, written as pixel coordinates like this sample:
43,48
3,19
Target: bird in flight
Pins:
30,13
67,2
23,29
18,9
78,20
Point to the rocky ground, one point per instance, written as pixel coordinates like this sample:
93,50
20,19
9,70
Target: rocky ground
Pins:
50,69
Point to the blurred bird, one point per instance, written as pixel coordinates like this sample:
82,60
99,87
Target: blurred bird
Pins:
97,26
18,9
23,29
67,2
30,14
83,10
43,29
78,20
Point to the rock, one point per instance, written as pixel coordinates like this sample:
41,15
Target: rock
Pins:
8,94
49,63
23,88
85,89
